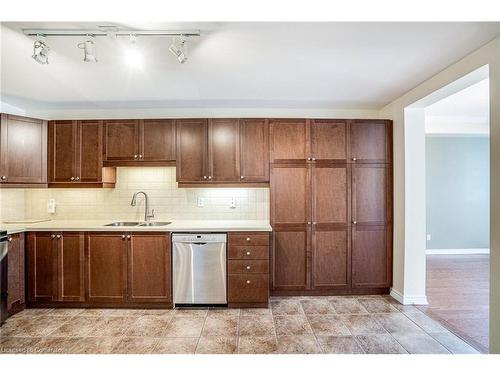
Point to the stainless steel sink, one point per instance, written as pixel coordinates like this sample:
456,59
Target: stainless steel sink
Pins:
123,224
155,224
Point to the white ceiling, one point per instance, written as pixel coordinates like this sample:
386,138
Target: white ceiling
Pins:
239,65
465,112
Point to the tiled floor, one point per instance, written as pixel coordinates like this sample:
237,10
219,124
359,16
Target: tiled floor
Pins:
369,324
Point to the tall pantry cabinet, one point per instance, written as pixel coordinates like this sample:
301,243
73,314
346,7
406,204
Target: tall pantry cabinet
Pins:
330,206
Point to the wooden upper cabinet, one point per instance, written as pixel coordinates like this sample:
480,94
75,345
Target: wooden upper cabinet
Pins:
149,277
224,150
371,141
192,158
157,140
89,151
254,150
23,151
121,140
62,151
289,140
330,190
369,194
329,140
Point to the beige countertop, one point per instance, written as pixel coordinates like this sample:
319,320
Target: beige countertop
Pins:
175,226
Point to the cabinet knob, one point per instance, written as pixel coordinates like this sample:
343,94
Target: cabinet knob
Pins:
242,177
128,236
248,252
58,236
354,221
140,156
209,177
77,178
313,159
3,178
204,177
248,238
10,239
72,179
309,159
314,223
354,159
123,236
135,156
248,267
308,223
248,281
53,236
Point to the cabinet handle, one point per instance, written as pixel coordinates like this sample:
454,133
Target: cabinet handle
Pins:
53,236
123,236
248,252
128,237
3,178
354,159
248,281
77,179
72,179
354,221
248,267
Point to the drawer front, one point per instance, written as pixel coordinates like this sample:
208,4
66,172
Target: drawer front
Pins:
253,239
248,252
248,266
248,288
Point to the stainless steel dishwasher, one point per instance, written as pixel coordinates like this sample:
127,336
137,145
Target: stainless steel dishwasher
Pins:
199,269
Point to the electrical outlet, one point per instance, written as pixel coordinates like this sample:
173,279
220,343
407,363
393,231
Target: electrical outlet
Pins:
51,206
428,237
232,204
201,201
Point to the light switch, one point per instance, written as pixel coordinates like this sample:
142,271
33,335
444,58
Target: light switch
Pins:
201,201
428,237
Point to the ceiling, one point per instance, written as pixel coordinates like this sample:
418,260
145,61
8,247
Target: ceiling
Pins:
465,112
238,65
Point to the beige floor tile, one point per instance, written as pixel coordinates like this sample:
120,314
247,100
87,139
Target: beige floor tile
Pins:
453,343
255,312
257,345
380,344
339,345
176,345
397,323
17,345
377,305
286,307
55,345
12,326
223,312
159,312
65,312
112,326
287,325
97,312
41,326
328,325
217,345
79,326
347,306
149,326
317,306
220,325
302,344
135,345
256,326
420,343
191,313
425,322
362,324
95,345
127,312
185,327
32,312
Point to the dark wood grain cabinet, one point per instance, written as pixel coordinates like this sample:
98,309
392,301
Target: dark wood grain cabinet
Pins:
23,152
254,150
16,274
147,142
75,155
331,210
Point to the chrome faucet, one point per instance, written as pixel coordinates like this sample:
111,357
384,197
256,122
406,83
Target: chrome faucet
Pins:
147,216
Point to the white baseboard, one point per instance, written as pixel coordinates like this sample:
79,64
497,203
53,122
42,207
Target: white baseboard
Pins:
456,251
408,300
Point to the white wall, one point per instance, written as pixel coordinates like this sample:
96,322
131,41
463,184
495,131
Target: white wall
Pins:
404,282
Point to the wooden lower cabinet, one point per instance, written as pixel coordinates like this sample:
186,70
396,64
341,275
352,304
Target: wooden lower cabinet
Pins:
16,266
42,267
70,266
248,269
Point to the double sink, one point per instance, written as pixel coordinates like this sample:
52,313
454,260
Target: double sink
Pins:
138,224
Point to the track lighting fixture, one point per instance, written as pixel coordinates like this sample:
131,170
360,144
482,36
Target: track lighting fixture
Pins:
132,56
178,49
88,50
40,51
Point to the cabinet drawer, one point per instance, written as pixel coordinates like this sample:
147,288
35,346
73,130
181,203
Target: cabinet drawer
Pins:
254,239
248,266
248,252
248,288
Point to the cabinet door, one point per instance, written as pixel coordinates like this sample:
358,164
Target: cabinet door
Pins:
223,150
370,141
23,150
289,140
70,264
15,299
121,140
290,258
62,151
329,140
157,140
371,257
290,194
42,267
330,189
254,150
369,194
191,159
106,267
89,155
149,267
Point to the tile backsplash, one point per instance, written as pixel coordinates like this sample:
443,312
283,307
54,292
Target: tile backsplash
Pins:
168,201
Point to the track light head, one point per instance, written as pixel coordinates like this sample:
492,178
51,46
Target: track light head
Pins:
88,50
178,49
40,51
